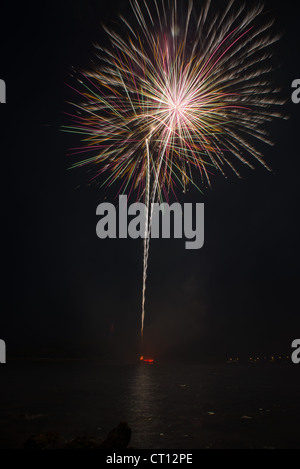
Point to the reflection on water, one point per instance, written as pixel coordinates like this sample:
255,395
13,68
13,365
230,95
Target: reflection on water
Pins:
168,406
143,409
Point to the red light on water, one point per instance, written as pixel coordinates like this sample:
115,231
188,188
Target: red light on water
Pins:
147,360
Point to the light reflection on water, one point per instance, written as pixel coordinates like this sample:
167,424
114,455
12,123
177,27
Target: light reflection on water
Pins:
165,412
143,405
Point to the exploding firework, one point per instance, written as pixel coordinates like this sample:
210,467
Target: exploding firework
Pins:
175,96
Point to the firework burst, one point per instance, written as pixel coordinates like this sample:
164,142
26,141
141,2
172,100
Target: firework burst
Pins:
177,94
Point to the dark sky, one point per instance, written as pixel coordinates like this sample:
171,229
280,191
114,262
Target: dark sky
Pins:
63,288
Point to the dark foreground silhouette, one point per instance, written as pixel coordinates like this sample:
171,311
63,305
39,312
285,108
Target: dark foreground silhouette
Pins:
118,439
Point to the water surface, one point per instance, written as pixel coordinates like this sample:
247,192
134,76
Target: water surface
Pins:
168,406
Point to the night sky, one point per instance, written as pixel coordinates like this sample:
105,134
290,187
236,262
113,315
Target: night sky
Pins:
65,292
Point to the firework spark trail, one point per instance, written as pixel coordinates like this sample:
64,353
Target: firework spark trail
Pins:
147,238
148,226
178,94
